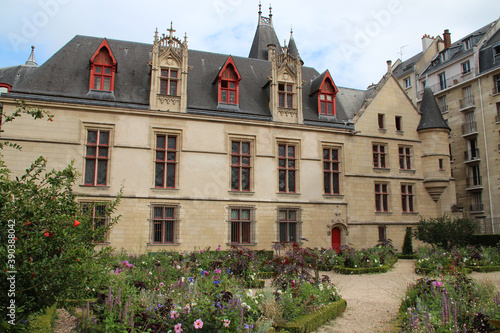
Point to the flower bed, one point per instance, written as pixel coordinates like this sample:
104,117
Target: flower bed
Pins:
438,261
456,303
210,291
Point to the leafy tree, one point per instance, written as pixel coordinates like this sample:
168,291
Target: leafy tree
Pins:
408,243
445,231
48,251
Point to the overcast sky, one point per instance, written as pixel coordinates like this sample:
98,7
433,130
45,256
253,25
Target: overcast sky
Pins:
352,39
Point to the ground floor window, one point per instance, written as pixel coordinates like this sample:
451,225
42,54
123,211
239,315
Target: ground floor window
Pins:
98,212
289,224
241,225
164,224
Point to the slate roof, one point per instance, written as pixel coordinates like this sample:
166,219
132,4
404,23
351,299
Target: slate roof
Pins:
65,78
486,55
456,51
406,66
264,36
431,116
15,75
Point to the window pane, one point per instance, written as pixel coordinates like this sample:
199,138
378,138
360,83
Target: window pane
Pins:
245,161
107,83
245,179
104,138
159,174
235,232
281,87
326,154
245,148
245,214
173,74
107,70
89,171
169,232
235,147
234,214
91,151
163,87
282,181
323,108
326,180
103,152
102,169
158,212
245,232
232,97
97,83
292,215
223,96
291,164
281,163
157,231
291,181
172,142
289,103
92,137
292,230
171,156
160,156
235,160
98,69
288,88
164,72
282,100
283,235
330,108
291,151
281,150
170,175
336,183
235,179
173,88
160,141
282,215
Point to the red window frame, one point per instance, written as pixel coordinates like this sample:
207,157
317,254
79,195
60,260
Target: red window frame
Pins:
241,165
407,198
241,225
288,225
326,98
166,156
405,158
285,94
97,157
381,197
287,168
164,224
169,81
99,215
331,171
229,86
379,156
102,69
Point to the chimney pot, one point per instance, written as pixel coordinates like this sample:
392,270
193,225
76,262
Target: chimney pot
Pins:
389,67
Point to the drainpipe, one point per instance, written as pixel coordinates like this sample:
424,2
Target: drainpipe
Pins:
486,155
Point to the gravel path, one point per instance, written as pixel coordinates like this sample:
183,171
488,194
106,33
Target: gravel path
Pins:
372,299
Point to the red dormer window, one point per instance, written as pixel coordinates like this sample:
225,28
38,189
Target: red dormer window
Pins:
102,69
326,98
229,79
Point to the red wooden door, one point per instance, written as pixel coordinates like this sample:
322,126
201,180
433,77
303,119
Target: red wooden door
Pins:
336,239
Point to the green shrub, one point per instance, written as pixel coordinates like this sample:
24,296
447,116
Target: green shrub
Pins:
485,240
407,243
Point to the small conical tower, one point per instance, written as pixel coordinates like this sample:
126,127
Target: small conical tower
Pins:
434,133
292,47
264,36
31,60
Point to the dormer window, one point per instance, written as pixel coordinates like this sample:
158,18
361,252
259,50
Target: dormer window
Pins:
228,83
168,81
327,98
444,56
102,69
229,86
496,54
285,93
467,44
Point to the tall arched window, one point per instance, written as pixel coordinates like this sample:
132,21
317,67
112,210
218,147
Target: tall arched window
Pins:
102,69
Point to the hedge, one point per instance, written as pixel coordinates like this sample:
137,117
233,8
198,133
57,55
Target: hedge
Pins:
364,270
311,322
406,256
485,240
435,271
484,269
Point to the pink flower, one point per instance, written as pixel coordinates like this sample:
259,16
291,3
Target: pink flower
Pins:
174,315
178,328
187,308
227,322
437,283
218,271
161,285
198,324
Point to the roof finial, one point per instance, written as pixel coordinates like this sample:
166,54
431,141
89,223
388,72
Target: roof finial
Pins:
270,11
31,60
171,30
260,8
156,35
291,29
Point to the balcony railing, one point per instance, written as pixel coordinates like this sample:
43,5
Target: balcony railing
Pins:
467,102
477,207
450,82
469,128
471,155
473,182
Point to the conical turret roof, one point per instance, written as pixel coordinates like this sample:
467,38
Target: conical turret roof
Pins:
264,36
431,116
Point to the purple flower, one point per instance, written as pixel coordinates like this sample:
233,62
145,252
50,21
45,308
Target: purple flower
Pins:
437,283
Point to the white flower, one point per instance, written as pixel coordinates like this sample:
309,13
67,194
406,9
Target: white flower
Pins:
249,293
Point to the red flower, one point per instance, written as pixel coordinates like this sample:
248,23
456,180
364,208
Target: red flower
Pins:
46,234
27,222
76,224
51,119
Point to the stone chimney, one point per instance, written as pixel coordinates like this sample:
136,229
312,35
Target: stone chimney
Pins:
271,51
426,42
389,67
447,38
